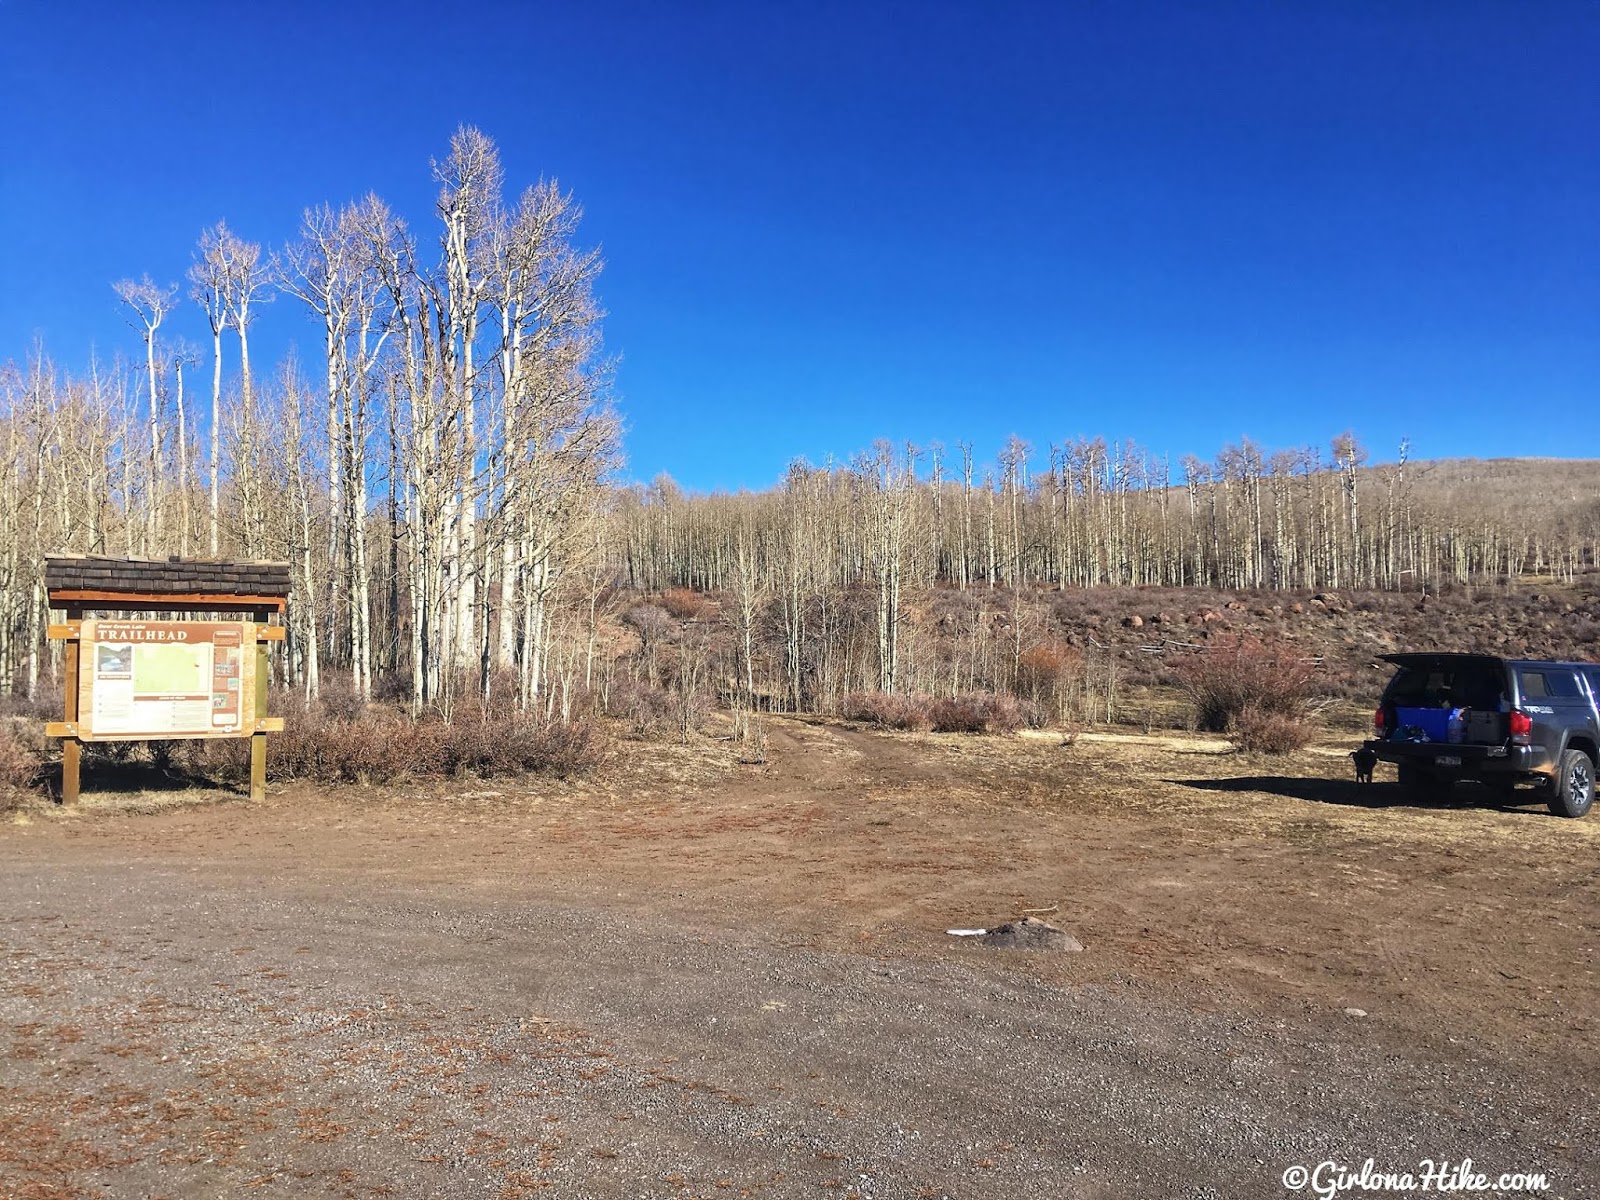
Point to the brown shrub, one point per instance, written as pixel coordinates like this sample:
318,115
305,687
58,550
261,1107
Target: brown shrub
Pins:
651,622
506,745
43,705
1034,716
960,714
382,745
984,712
647,709
688,606
297,752
1265,731
221,758
561,748
1236,673
20,768
889,711
370,748
1046,672
1042,667
337,697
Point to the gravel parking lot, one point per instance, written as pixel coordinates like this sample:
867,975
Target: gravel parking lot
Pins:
691,978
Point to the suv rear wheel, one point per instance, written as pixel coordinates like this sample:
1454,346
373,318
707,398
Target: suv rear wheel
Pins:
1573,793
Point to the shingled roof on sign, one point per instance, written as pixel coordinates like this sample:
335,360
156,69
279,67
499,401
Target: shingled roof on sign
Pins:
166,576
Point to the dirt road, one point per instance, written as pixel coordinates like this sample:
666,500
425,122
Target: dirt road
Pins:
693,978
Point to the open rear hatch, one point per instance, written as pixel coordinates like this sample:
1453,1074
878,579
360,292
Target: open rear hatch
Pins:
1460,699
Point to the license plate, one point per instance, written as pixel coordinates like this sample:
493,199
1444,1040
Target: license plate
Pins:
1448,760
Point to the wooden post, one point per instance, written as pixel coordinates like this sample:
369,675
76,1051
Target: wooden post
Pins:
71,748
258,741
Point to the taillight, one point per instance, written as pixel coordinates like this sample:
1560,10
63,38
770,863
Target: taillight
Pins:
1379,724
1521,727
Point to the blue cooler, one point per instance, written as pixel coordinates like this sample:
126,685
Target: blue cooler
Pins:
1436,724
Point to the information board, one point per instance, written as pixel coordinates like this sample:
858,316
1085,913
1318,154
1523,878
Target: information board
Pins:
166,679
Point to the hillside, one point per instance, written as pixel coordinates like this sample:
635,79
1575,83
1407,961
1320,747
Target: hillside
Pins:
1085,655
1503,483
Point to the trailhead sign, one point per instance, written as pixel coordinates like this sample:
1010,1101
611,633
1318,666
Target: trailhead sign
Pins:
167,679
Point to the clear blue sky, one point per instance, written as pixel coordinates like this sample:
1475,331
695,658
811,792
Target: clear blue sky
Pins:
829,223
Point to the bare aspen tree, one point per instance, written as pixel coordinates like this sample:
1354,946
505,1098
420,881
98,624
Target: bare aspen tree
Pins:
93,476
249,448
296,461
469,206
936,487
208,277
246,283
40,438
557,432
886,481
798,558
333,269
367,220
747,602
1349,456
533,450
182,356
967,551
541,291
1014,483
150,305
316,269
415,436
13,505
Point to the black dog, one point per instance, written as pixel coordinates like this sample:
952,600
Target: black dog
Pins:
1365,760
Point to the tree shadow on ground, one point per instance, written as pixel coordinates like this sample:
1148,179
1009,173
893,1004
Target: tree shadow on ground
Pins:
1347,793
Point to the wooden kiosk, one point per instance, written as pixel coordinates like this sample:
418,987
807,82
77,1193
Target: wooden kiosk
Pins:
142,678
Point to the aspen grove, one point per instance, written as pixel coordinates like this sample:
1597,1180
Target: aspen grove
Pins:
441,479
434,481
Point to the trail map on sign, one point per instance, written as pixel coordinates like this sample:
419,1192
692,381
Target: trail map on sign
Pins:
173,670
166,679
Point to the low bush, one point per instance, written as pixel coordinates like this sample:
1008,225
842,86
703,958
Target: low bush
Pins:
1238,673
647,709
370,748
20,767
889,711
225,759
338,697
961,714
688,606
984,712
1264,731
382,745
561,748
980,712
43,705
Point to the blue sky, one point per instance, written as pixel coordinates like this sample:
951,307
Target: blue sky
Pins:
829,223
